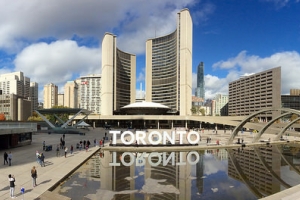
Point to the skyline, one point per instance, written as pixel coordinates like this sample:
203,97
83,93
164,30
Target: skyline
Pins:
232,38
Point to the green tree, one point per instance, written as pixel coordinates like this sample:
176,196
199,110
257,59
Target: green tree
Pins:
202,111
194,110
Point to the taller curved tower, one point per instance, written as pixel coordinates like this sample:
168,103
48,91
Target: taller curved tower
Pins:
169,67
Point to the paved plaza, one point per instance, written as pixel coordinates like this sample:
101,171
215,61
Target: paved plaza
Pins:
58,168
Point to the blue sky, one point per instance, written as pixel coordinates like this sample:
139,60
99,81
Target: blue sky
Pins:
60,40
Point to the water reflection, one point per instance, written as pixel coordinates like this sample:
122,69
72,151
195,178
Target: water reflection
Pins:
248,173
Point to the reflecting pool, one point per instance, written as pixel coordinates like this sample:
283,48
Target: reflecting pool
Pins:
243,173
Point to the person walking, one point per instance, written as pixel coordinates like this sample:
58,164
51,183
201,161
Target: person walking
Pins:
5,156
9,158
11,179
71,149
57,151
42,159
34,176
37,154
66,151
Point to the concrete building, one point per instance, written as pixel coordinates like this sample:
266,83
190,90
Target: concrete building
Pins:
169,67
15,83
200,90
118,77
60,99
71,94
50,95
15,108
295,92
255,92
34,95
89,91
220,107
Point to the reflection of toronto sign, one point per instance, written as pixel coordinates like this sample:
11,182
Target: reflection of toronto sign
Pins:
155,138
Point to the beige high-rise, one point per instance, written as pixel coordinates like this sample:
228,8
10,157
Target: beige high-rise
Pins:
50,95
71,94
169,67
118,77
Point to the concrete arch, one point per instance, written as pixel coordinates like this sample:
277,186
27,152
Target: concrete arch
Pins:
285,128
244,121
258,135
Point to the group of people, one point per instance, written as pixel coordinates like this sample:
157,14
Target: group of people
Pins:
7,158
12,179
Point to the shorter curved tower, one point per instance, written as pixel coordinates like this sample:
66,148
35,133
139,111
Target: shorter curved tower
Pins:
118,77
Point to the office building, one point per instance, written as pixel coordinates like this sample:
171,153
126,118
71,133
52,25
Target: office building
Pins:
50,95
255,92
34,95
169,67
118,77
71,94
15,83
60,99
200,91
220,107
89,91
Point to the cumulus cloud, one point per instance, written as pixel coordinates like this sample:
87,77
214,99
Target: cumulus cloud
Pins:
24,22
243,64
57,62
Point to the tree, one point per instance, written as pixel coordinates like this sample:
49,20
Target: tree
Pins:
202,111
293,117
194,110
2,117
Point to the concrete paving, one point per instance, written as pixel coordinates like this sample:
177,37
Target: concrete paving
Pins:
58,168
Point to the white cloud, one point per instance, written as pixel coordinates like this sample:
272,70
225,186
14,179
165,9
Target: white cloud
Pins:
247,64
57,62
23,22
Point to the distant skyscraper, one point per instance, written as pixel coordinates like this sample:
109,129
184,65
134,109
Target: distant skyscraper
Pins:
15,83
169,67
200,91
50,95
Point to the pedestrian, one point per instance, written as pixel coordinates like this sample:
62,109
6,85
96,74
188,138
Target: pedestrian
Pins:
11,179
66,151
42,160
44,145
34,176
95,142
5,156
100,143
37,154
71,149
9,158
63,137
86,147
57,151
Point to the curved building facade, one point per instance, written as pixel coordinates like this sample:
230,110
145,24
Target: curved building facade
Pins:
118,77
169,67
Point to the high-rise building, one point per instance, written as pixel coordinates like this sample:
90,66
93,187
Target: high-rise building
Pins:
169,67
255,92
71,94
34,95
50,95
15,83
220,107
200,91
89,90
118,77
60,99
